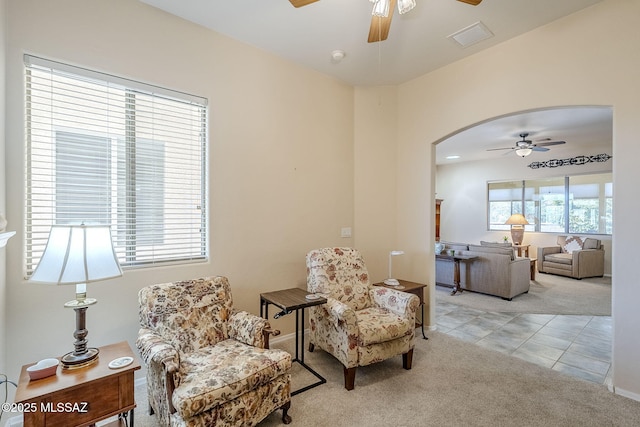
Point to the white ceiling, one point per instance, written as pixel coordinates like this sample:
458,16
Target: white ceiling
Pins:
585,127
417,44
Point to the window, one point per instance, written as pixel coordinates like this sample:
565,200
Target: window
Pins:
106,150
581,204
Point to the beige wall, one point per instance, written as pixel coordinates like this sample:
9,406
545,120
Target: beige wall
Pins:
3,251
589,58
281,161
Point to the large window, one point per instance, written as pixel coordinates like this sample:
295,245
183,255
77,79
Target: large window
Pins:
106,150
580,204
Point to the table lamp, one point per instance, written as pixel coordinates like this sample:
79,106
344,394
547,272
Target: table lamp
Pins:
390,281
517,222
77,255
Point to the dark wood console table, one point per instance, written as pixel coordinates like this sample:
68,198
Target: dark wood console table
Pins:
455,259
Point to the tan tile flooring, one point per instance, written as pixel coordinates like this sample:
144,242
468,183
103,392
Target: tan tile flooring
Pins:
575,345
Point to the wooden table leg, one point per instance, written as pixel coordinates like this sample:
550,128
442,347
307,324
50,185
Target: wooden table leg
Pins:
456,277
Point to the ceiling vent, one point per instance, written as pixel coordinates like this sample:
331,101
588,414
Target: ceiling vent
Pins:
471,35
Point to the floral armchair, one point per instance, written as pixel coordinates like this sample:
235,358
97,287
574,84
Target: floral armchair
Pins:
360,324
207,364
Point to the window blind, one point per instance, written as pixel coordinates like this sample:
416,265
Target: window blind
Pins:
107,150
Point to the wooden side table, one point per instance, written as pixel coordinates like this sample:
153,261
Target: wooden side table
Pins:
412,288
290,300
522,248
83,396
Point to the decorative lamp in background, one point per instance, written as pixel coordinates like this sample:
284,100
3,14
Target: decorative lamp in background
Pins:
390,281
517,223
77,255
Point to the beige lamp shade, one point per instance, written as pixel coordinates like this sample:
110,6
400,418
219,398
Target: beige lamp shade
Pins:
517,223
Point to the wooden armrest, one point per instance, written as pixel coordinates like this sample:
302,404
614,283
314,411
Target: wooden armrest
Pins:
268,331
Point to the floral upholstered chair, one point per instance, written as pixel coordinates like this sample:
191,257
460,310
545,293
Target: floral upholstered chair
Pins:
208,365
360,324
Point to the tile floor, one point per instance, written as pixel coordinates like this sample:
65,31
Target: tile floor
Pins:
576,345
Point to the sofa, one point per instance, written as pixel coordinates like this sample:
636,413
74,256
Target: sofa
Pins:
496,270
572,256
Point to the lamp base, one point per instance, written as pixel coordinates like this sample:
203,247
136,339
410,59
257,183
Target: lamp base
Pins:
75,361
517,234
82,355
391,282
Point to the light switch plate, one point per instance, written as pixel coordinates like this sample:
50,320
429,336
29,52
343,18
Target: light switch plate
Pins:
345,232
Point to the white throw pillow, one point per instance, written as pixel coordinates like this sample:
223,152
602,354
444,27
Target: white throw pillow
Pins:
572,244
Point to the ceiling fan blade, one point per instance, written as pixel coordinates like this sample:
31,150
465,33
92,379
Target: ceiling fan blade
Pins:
496,149
546,144
300,3
471,2
379,29
535,148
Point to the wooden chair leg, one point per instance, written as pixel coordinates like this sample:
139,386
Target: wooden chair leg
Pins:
151,411
407,359
349,378
286,418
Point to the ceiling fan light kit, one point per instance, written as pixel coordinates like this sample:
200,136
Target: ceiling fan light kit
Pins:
524,152
382,13
524,147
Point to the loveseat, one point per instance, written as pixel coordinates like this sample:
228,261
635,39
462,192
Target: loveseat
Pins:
572,256
495,271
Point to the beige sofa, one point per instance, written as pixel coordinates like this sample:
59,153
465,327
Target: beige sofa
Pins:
495,271
572,256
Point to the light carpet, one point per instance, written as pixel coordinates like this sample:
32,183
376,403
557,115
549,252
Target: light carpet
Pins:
452,383
548,294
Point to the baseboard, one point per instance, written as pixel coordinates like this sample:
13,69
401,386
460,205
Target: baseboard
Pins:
625,393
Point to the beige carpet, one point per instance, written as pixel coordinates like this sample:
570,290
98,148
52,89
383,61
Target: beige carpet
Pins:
548,294
452,383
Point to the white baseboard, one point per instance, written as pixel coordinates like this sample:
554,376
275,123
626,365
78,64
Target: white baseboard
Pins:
625,393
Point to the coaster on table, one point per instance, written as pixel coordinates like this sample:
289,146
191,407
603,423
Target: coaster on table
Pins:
120,362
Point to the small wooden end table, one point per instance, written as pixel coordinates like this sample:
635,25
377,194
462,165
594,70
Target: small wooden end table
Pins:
290,300
455,259
522,248
82,396
412,288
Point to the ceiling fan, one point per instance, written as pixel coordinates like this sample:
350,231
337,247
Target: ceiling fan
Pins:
524,147
382,14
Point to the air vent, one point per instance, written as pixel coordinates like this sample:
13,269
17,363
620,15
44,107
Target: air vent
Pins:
471,35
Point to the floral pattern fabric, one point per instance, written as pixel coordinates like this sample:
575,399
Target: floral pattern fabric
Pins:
360,324
192,340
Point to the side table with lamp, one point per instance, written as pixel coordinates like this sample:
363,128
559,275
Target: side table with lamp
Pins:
405,286
91,389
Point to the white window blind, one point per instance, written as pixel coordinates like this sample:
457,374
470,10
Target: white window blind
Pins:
107,150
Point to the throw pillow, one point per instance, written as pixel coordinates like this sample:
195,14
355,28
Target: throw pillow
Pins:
572,243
